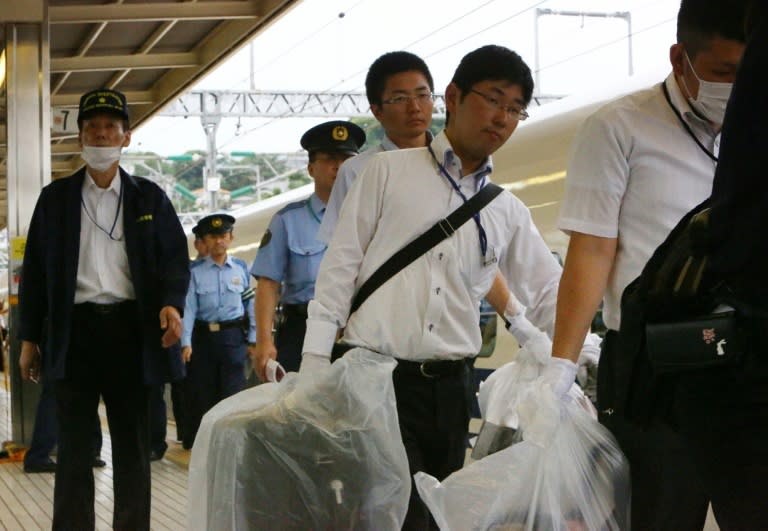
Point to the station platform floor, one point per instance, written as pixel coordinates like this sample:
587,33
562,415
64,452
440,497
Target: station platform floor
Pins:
26,500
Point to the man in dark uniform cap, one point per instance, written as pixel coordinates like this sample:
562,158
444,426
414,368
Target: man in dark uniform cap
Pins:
219,309
290,254
106,269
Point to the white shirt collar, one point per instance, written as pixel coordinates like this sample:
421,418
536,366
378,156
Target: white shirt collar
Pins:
89,183
442,146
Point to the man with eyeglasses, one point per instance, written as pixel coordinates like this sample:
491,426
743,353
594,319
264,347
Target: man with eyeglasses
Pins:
427,315
637,166
290,253
106,264
399,88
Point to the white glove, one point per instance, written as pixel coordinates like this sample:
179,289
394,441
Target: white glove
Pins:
588,357
518,324
559,375
311,363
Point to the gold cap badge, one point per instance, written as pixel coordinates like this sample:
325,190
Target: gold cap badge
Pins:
216,223
340,133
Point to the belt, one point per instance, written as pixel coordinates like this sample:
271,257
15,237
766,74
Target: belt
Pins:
432,368
105,309
214,326
295,310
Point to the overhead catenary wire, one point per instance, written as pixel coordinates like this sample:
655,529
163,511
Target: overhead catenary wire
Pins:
565,60
245,133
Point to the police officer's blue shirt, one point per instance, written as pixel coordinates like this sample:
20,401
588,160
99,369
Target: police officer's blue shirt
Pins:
290,252
215,294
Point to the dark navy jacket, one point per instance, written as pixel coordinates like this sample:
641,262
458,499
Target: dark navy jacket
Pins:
158,261
739,214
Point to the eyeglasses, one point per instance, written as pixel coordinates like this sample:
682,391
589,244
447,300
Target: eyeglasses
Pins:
404,99
513,111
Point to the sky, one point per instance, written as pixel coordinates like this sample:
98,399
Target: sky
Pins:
325,45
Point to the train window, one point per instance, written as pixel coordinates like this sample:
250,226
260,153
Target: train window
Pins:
487,329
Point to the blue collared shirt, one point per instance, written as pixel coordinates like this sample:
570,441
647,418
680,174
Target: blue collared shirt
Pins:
215,294
290,252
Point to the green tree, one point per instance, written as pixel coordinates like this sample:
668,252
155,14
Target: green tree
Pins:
374,132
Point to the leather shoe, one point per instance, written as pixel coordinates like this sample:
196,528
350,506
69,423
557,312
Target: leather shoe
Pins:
98,462
154,455
36,468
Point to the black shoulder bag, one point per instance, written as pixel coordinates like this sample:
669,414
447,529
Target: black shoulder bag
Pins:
416,248
671,322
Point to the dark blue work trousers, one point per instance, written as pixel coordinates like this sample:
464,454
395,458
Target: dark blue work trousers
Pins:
289,341
215,372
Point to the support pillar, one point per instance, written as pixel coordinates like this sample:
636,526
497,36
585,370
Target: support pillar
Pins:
24,30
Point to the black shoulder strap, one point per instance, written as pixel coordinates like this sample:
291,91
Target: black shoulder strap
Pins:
437,233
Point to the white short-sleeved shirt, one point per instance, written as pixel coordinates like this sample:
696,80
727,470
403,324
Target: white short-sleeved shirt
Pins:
634,172
430,309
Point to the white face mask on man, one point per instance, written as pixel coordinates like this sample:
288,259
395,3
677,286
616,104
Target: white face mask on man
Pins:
100,158
712,98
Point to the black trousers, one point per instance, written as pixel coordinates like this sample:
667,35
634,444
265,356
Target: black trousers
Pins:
667,489
289,341
103,360
434,424
722,415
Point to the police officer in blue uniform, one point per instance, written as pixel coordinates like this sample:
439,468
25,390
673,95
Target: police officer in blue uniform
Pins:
289,255
218,321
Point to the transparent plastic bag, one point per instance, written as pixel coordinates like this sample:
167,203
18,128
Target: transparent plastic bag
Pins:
567,473
500,394
319,450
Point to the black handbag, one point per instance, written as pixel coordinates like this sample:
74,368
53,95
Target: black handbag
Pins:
696,343
416,248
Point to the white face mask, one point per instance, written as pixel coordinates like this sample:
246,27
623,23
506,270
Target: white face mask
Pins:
712,98
100,158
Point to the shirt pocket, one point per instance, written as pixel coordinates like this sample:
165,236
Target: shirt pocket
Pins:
233,295
305,261
207,294
481,271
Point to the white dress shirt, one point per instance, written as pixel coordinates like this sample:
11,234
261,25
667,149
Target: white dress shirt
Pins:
346,175
103,274
429,310
633,173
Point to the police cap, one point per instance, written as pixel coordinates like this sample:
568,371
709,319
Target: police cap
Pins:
196,232
332,137
214,224
102,100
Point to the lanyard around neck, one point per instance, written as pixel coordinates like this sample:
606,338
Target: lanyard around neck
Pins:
475,216
685,124
117,214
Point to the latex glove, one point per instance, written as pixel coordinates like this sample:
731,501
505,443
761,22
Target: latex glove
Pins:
518,324
311,363
559,375
588,357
